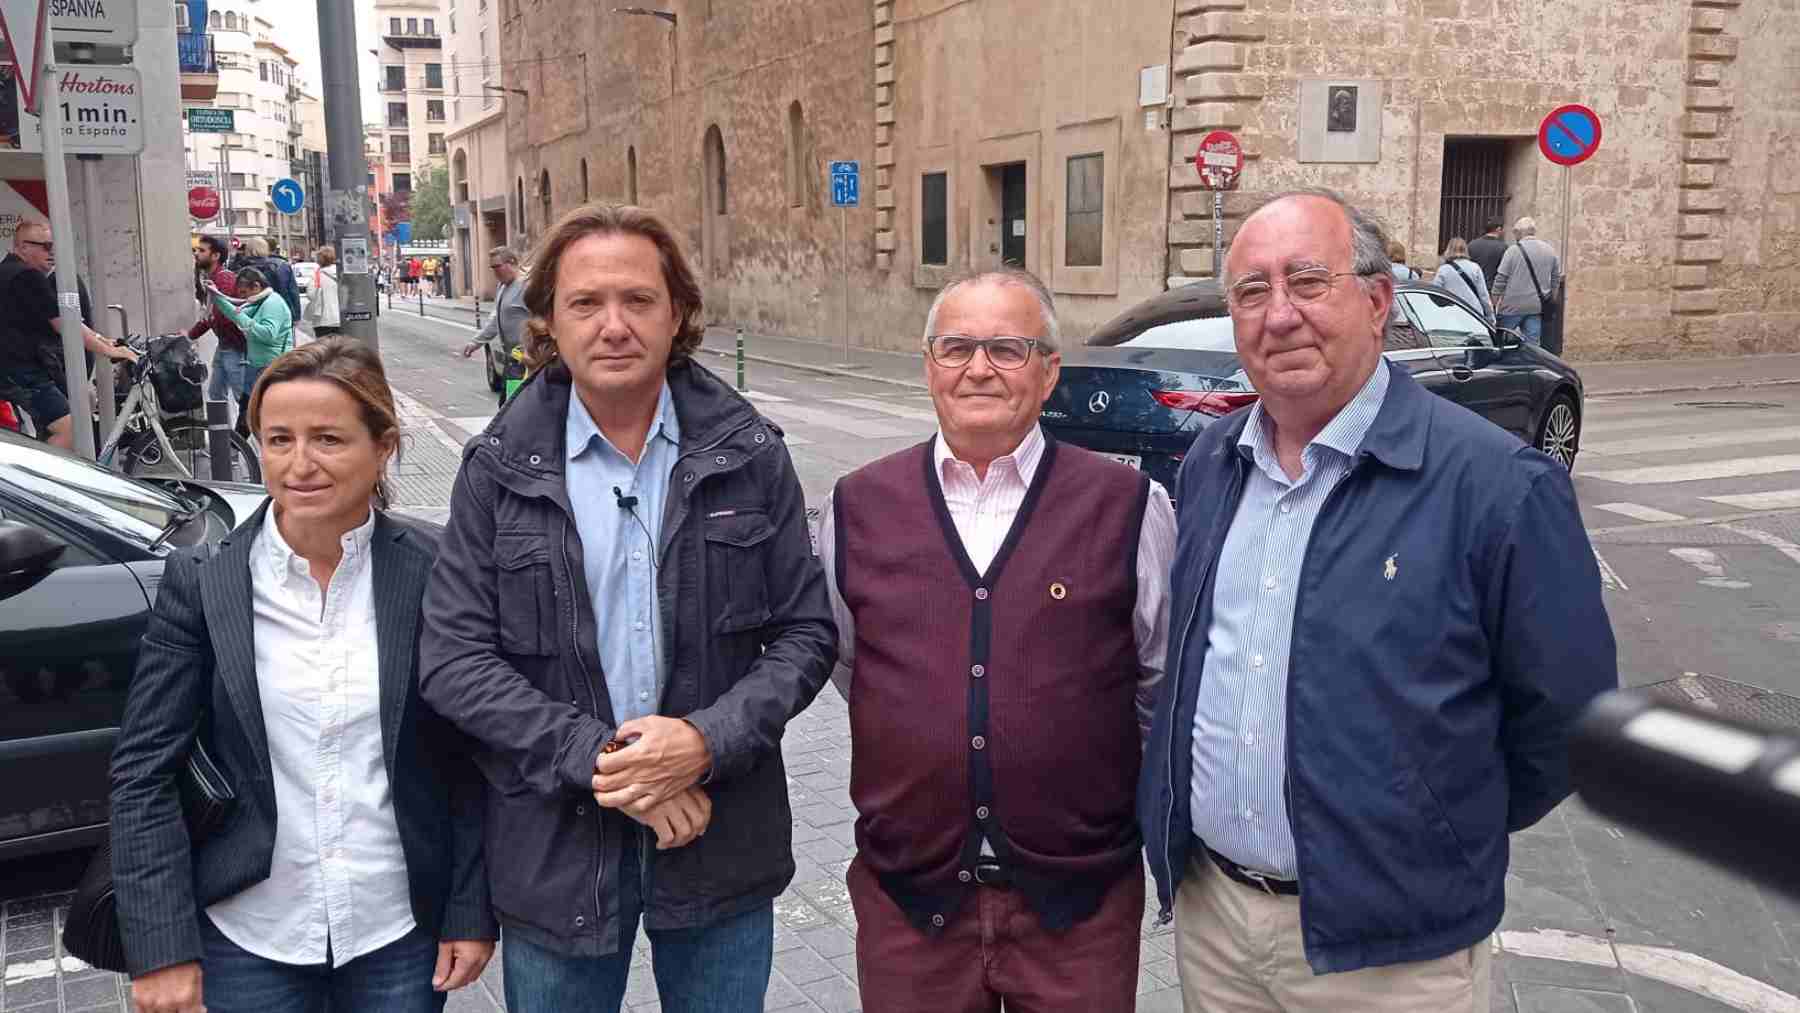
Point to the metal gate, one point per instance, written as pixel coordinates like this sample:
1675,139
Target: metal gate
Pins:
1474,186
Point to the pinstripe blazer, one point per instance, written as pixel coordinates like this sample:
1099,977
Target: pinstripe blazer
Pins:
196,675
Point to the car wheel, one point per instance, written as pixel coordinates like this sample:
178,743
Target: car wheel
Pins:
495,380
1559,435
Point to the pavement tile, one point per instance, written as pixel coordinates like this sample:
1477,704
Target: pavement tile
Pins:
28,937
90,992
782,993
473,999
1166,1000
1558,999
1563,973
835,995
830,942
846,965
1162,970
1656,997
803,967
22,994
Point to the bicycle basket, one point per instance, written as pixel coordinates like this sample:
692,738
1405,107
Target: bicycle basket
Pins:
177,373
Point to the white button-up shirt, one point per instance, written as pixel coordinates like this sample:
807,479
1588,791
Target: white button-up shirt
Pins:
337,886
983,510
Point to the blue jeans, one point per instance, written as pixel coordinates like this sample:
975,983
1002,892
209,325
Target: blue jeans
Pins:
227,380
721,968
1530,325
393,979
251,375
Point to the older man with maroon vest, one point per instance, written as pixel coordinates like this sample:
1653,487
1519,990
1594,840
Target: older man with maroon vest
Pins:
1002,611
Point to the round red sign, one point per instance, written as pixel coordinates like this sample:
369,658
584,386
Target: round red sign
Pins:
203,203
1220,160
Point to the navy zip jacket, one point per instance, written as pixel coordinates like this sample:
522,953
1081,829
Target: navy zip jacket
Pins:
1447,632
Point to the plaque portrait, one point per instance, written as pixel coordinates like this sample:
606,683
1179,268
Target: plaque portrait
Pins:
1340,110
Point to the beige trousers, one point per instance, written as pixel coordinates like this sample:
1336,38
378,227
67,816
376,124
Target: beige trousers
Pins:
1239,951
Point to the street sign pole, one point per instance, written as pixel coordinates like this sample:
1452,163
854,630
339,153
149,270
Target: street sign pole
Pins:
90,202
348,181
56,185
844,264
846,193
1219,161
1218,236
225,191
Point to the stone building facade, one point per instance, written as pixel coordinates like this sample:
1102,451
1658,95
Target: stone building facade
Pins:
1059,134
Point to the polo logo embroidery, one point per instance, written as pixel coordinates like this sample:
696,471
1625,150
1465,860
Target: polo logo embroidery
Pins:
721,513
1058,591
1391,569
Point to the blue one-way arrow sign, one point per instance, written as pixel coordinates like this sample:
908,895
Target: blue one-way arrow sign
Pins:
288,196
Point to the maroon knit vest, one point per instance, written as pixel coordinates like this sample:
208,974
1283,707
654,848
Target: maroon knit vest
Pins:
998,703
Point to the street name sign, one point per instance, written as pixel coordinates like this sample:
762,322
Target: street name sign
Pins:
203,203
211,121
846,184
287,196
101,109
99,22
1569,135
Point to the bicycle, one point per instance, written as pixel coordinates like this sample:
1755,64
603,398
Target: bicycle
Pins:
147,440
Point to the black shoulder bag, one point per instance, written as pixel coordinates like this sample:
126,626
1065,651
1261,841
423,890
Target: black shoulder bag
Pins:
91,931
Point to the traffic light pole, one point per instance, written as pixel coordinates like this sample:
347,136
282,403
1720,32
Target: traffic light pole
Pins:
346,210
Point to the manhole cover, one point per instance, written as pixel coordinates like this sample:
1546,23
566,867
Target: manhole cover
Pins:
1731,699
1728,404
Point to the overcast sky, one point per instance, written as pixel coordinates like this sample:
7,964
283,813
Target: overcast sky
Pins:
297,27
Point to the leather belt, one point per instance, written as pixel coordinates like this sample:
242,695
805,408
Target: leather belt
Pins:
1253,879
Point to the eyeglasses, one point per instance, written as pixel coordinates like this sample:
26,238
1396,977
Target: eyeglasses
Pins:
40,244
953,350
1303,287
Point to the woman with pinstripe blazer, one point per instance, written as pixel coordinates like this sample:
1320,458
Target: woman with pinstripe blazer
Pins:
350,875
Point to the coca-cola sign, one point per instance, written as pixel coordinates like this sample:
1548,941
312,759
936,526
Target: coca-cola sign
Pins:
101,110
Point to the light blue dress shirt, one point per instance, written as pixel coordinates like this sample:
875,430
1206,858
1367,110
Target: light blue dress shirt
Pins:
1240,723
619,549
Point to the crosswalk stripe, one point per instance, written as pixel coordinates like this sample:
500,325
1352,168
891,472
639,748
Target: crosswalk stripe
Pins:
1591,426
472,423
865,428
1736,467
1691,441
876,405
1638,511
1778,499
764,397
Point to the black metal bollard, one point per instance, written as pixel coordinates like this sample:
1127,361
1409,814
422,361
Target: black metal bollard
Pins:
218,440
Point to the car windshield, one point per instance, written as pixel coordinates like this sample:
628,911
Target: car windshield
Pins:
1200,334
133,510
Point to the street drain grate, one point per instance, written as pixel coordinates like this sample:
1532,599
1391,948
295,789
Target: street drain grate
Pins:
1729,404
1731,699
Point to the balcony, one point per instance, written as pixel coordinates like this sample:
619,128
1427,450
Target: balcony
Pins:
199,67
413,39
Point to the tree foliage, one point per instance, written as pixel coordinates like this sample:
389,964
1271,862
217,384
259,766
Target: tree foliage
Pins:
430,203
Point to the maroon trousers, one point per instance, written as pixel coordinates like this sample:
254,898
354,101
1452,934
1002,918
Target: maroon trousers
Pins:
996,950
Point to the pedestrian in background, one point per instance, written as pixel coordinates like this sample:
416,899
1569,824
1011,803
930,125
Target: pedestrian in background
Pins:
225,379
1526,282
1488,249
1397,254
350,874
996,735
322,311
1389,618
262,315
626,614
507,325
1459,274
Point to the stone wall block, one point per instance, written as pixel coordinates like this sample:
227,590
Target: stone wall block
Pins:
1696,175
1702,201
884,220
1706,150
1696,226
1709,99
1705,71
884,134
884,199
1226,25
1205,116
1692,276
1712,47
884,94
884,177
884,155
884,12
1214,55
1696,302
1196,262
1707,20
884,261
1221,87
1700,124
884,114
884,55
884,242
884,35
884,75
1699,251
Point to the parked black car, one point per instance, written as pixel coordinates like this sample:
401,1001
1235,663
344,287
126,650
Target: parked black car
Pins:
1152,377
81,555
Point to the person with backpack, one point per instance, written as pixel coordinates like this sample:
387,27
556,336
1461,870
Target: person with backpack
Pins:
278,273
1459,274
1526,284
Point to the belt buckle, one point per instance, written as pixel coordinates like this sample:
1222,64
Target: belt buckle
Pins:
992,867
1259,879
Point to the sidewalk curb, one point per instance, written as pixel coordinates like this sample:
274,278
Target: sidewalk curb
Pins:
812,368
1680,388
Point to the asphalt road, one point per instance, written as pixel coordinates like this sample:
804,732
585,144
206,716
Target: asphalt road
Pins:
1692,502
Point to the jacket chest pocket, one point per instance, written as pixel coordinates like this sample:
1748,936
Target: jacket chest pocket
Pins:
527,594
735,545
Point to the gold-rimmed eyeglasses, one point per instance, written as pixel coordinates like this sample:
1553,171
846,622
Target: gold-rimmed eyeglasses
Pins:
954,350
1302,287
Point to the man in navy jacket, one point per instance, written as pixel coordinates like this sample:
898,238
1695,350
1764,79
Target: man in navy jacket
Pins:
1386,616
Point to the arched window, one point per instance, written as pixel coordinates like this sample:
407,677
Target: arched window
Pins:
544,195
715,171
584,181
519,206
631,196
231,21
217,20
459,169
796,155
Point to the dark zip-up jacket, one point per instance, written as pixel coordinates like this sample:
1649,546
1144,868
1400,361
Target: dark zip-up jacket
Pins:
1448,629
509,655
